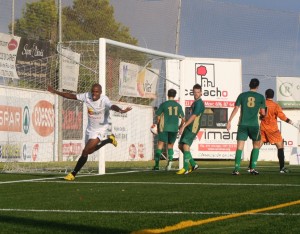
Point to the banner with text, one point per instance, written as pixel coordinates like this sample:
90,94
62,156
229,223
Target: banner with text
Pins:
22,58
221,81
8,55
70,70
288,92
137,81
135,140
26,125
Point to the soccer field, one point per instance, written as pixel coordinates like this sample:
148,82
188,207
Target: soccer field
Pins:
209,200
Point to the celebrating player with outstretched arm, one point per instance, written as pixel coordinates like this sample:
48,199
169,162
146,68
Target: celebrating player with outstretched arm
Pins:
251,103
97,130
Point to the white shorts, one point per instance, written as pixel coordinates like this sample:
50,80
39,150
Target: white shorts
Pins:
101,133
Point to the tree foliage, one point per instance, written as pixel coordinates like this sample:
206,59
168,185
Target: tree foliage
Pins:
84,20
92,19
39,21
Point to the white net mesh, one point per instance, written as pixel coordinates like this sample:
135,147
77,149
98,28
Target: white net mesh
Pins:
139,79
27,117
52,134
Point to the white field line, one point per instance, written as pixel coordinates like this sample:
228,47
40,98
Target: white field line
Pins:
46,180
54,178
173,183
143,212
230,167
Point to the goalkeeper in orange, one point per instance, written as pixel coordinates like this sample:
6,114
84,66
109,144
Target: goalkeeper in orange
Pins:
269,129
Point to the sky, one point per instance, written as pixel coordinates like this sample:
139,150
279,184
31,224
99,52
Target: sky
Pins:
280,5
263,33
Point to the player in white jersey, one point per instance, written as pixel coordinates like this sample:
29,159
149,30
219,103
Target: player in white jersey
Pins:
98,122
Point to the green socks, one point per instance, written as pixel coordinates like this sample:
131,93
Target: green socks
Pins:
157,157
188,159
254,157
238,158
170,154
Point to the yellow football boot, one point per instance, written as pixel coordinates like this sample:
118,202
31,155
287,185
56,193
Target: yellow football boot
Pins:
69,177
113,138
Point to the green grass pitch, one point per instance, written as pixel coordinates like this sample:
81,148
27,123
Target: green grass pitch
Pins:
128,201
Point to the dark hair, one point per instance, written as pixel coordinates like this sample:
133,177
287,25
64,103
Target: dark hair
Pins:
254,83
197,86
269,93
97,85
172,93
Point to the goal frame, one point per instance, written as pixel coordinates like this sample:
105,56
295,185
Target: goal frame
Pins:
102,78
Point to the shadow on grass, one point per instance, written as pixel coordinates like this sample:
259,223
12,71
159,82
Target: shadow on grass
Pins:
36,226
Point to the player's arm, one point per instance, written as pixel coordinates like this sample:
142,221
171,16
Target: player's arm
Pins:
296,125
187,123
158,113
62,94
182,118
120,110
158,119
262,113
261,116
182,122
233,113
282,116
198,110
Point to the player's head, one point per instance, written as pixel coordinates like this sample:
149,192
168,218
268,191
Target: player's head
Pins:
254,83
96,91
197,86
269,93
197,90
172,93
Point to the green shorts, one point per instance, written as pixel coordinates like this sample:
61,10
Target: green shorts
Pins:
253,132
167,137
187,137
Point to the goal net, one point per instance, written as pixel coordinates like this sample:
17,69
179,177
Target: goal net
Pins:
136,77
44,132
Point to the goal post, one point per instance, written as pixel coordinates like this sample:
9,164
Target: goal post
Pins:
129,75
142,65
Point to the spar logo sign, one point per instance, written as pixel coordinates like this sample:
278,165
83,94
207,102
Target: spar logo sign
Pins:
43,118
10,118
205,76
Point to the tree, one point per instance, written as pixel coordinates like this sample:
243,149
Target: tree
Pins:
92,19
85,20
39,21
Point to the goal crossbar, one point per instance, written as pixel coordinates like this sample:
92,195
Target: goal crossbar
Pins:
103,42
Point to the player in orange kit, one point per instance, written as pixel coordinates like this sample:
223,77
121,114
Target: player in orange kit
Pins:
269,129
